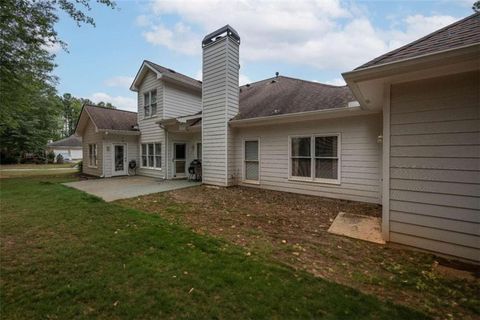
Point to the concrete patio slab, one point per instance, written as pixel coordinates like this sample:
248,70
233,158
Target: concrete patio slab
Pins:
111,189
358,226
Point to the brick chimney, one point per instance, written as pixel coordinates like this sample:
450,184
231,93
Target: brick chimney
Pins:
220,94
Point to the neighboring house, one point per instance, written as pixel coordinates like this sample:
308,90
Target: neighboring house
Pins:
404,133
70,146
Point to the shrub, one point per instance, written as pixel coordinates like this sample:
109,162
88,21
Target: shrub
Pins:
51,157
80,166
59,159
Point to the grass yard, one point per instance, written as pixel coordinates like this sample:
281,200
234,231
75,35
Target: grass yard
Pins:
37,166
68,255
30,170
292,229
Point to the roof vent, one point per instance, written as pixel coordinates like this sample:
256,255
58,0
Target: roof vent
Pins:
248,85
172,71
276,74
273,81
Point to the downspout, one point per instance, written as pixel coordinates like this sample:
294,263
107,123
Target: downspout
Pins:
165,175
103,157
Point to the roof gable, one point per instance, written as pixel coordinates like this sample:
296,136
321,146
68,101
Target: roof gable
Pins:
105,119
458,34
163,73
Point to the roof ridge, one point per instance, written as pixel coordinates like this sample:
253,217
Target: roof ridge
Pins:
431,34
172,70
298,79
250,83
105,108
315,82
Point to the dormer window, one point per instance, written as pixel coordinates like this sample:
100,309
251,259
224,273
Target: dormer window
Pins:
150,103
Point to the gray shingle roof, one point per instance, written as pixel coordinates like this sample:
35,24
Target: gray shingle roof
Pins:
458,34
175,75
72,141
284,95
112,119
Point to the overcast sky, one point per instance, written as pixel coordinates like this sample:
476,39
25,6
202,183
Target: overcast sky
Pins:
312,40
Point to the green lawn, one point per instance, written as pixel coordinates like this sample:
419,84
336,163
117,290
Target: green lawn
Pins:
30,170
37,166
67,255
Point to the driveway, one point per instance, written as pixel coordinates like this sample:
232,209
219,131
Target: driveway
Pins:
111,189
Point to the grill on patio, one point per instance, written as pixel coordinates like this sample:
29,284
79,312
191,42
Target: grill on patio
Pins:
195,170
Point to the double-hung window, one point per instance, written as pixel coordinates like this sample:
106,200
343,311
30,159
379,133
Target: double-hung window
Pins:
150,103
251,160
315,158
92,155
151,155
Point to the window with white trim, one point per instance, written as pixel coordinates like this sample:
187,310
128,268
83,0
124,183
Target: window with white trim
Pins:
92,155
150,103
251,160
315,158
151,155
199,150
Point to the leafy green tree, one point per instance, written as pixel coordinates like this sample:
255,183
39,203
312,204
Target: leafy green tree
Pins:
106,105
476,6
72,107
29,107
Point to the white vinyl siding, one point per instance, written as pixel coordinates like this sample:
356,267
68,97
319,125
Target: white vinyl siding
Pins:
220,104
435,165
180,101
359,156
151,131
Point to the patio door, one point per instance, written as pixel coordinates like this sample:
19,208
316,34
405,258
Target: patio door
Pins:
179,160
119,160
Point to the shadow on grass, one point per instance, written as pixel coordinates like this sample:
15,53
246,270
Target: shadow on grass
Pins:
68,254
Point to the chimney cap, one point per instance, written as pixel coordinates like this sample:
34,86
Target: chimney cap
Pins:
227,29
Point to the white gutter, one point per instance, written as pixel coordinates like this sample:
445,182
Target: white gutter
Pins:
352,110
120,132
362,74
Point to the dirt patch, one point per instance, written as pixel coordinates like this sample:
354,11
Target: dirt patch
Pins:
293,230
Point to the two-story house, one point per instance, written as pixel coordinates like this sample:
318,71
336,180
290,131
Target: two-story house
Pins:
404,133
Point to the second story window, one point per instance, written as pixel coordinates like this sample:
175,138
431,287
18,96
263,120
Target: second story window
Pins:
150,103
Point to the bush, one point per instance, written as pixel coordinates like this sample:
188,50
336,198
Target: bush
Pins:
80,166
59,159
51,157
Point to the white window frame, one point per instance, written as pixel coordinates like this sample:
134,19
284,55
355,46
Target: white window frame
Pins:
149,105
196,150
92,157
155,155
244,161
313,158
